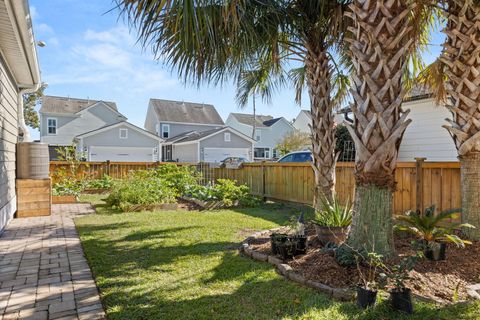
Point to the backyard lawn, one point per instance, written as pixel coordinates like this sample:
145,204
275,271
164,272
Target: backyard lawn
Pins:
185,265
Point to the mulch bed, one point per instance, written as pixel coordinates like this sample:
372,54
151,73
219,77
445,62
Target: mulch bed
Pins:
438,280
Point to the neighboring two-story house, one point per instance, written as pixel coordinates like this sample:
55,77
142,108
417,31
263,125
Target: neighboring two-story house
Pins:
100,132
269,132
194,132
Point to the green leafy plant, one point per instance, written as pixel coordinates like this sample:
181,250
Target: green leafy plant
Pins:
333,214
433,228
371,278
399,273
105,183
68,187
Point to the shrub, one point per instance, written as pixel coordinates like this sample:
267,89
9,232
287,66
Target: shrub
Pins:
68,187
105,183
136,191
226,191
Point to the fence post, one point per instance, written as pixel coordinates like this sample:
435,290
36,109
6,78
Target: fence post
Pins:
419,183
107,168
263,181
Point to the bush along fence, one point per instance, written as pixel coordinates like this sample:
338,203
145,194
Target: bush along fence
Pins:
419,184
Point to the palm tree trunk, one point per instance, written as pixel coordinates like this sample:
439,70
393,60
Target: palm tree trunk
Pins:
461,57
470,177
322,127
380,45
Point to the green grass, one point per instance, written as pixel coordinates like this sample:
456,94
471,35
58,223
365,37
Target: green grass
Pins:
185,265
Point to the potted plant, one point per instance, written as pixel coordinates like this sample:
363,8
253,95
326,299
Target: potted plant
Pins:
433,231
371,280
400,295
332,222
275,239
298,236
286,249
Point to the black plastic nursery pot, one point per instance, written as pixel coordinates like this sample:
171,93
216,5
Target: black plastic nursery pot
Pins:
300,244
435,251
401,300
276,238
366,298
286,250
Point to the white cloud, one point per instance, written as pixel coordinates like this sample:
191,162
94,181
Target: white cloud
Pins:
34,13
111,58
43,28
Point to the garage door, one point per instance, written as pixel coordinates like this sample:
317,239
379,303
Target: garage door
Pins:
123,154
219,154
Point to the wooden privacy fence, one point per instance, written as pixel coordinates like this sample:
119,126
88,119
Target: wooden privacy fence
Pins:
419,184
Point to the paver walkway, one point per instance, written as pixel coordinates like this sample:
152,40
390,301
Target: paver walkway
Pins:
43,272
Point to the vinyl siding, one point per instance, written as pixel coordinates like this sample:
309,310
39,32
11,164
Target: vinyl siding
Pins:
8,140
111,138
68,127
302,122
425,136
176,128
218,141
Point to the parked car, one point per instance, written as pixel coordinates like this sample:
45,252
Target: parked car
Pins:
297,156
234,160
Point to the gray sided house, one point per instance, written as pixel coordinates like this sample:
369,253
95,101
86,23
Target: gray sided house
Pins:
64,118
194,132
269,132
120,141
19,73
209,146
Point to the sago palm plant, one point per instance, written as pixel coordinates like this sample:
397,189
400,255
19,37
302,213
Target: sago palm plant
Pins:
433,228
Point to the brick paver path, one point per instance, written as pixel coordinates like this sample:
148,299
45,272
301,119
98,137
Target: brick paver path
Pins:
43,272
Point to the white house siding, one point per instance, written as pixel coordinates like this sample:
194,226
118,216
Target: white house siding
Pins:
302,122
185,153
218,141
269,136
111,138
425,136
178,128
8,140
68,127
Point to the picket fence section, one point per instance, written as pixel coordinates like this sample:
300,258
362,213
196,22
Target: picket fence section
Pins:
419,184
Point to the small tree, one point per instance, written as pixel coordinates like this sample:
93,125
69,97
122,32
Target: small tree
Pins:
293,141
30,101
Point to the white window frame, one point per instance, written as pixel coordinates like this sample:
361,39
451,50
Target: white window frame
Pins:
258,135
266,152
227,137
48,126
120,133
167,127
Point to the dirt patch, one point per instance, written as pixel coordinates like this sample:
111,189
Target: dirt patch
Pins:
440,280
187,205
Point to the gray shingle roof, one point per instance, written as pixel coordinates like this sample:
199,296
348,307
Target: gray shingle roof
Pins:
196,135
260,121
52,104
187,112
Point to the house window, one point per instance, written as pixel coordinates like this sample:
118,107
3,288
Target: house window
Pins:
258,136
226,136
275,153
52,126
165,131
261,153
123,133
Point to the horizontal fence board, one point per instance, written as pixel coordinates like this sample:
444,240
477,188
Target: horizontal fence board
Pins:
295,181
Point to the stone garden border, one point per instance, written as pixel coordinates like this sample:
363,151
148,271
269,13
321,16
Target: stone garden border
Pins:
207,205
342,294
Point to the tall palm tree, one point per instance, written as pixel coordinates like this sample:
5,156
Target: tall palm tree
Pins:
461,63
215,40
383,38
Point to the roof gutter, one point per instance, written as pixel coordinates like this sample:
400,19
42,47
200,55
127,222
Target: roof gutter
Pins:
21,18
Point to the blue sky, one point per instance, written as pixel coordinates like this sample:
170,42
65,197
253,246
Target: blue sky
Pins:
91,53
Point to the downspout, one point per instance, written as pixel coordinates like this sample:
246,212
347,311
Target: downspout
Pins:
24,133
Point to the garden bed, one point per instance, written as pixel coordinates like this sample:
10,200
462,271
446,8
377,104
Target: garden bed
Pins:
64,199
207,205
442,281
